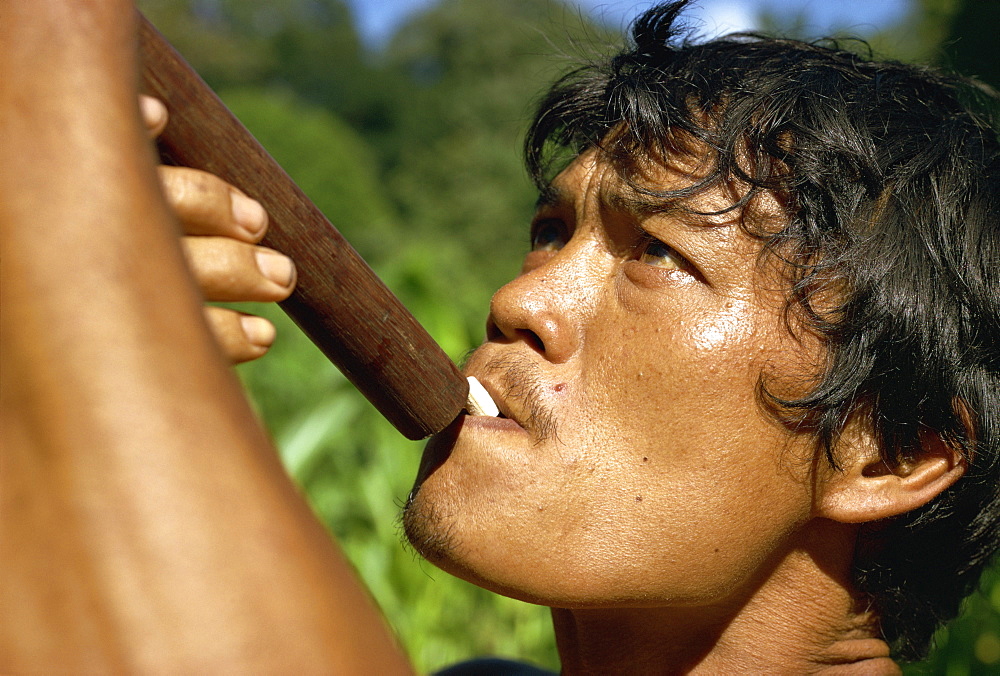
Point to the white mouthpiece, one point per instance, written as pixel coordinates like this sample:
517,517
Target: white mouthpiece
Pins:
480,402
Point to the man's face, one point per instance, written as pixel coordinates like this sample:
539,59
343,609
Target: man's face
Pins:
636,465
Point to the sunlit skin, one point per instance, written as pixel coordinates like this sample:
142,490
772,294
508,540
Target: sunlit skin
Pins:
660,481
644,336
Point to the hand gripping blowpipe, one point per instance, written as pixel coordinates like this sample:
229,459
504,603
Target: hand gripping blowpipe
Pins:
338,302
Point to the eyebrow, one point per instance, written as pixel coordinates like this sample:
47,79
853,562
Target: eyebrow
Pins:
643,206
640,205
634,203
551,196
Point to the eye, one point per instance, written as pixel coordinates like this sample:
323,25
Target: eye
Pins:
658,254
548,235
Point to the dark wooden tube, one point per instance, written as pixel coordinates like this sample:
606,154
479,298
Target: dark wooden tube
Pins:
339,302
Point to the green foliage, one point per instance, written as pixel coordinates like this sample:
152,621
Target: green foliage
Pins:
473,68
309,45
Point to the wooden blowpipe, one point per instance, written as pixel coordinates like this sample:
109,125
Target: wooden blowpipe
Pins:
339,302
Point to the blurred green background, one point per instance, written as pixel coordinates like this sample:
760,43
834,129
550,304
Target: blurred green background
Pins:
412,149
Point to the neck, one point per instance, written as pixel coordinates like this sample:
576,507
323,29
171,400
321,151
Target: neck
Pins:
803,618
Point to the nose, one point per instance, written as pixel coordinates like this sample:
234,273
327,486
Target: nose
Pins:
545,307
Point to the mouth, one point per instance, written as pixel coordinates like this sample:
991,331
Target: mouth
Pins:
480,402
485,402
512,382
473,413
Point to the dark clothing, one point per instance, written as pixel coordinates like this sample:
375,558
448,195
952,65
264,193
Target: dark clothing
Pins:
493,666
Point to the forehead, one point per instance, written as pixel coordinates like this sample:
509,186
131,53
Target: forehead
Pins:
682,191
684,183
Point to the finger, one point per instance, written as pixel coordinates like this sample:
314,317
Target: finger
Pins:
154,115
241,337
232,271
207,205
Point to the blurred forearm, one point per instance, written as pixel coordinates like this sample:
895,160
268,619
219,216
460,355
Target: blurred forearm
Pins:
146,522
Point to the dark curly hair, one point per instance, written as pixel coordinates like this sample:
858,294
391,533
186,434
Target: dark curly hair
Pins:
891,181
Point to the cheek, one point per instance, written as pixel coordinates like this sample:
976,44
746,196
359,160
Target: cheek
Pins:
680,468
663,378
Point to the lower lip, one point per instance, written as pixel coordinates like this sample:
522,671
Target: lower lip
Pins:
489,422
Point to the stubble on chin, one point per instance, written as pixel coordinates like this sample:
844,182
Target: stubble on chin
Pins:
428,529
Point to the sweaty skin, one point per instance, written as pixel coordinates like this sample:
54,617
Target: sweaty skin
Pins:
637,483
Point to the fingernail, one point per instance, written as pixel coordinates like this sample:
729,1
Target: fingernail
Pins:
258,330
276,267
153,111
248,213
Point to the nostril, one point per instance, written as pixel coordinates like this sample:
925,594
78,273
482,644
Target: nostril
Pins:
532,339
493,331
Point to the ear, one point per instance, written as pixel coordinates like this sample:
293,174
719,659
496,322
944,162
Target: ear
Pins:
867,489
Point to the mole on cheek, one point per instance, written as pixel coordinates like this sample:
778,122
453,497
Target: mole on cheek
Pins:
559,387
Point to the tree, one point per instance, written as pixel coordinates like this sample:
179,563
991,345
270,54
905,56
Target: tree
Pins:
308,46
453,161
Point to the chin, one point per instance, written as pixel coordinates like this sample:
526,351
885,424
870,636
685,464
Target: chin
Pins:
432,531
427,530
